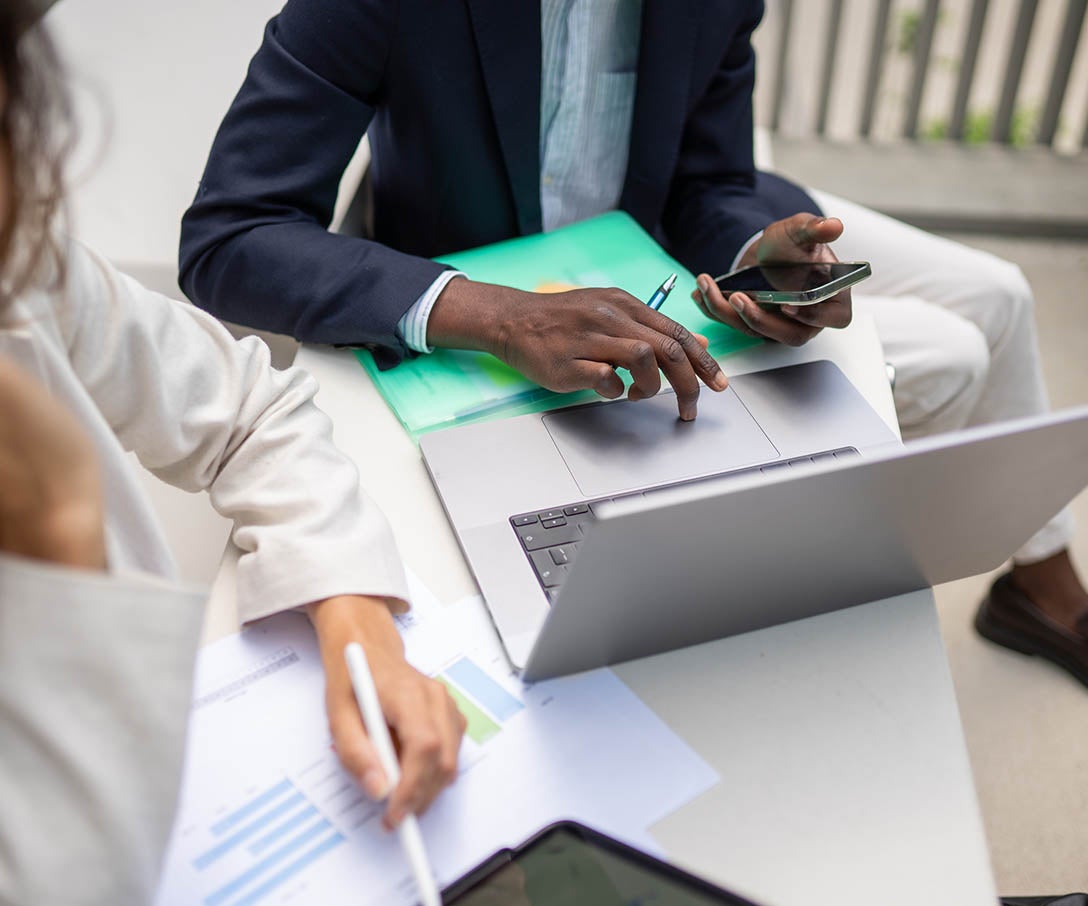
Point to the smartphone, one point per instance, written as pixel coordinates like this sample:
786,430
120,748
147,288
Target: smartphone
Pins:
805,283
569,864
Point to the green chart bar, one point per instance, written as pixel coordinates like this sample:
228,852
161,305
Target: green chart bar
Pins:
480,727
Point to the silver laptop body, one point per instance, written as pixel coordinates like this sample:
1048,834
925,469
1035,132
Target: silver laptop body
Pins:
491,473
694,558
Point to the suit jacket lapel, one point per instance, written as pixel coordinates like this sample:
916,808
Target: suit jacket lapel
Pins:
666,50
508,41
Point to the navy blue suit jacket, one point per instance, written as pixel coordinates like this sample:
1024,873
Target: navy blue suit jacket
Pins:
449,91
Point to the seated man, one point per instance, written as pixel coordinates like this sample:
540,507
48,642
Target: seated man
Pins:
493,119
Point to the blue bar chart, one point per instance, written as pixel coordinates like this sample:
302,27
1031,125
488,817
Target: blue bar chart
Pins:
265,842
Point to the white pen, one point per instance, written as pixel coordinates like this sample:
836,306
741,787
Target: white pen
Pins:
410,837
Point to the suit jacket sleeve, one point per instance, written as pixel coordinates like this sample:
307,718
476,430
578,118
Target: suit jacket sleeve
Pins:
95,681
255,248
717,200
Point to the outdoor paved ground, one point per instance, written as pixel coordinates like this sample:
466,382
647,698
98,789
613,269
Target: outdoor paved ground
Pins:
1026,722
989,189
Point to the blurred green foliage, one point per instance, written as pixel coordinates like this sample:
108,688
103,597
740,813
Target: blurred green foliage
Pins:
979,125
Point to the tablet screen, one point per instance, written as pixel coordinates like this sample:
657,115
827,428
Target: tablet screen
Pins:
565,867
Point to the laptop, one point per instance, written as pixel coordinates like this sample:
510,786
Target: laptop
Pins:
610,531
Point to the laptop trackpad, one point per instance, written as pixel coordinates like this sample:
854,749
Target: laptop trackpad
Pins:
613,447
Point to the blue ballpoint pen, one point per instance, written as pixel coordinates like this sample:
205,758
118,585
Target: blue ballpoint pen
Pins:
662,293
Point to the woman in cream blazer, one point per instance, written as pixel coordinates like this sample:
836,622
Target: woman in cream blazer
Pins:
97,640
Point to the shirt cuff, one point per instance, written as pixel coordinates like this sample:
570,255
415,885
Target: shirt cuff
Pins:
744,249
412,326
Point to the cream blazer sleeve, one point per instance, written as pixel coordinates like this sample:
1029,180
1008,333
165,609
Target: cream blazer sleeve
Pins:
95,682
205,412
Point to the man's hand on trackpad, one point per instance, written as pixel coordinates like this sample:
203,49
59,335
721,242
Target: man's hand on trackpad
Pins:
575,340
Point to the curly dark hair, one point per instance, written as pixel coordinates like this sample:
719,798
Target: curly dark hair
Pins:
35,137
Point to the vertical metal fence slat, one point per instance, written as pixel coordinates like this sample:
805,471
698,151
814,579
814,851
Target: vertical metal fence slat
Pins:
1063,65
1002,131
876,68
923,44
786,12
967,69
831,45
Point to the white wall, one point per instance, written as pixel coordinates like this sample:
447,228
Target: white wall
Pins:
152,80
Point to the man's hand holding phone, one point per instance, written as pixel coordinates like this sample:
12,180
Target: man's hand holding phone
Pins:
800,238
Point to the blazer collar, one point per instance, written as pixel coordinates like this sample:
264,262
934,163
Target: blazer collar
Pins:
665,60
508,42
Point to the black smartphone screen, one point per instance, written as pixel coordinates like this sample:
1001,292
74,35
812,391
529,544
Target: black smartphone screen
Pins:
794,278
572,866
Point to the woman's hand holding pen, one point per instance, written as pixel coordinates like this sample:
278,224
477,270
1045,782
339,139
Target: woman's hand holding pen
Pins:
575,340
426,725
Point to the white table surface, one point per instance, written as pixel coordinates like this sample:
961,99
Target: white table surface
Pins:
845,777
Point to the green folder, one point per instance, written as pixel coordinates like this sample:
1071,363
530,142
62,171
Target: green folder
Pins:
452,387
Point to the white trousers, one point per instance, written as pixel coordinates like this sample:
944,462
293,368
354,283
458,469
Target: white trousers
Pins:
957,324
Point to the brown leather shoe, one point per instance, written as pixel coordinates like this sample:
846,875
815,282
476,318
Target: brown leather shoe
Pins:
1008,617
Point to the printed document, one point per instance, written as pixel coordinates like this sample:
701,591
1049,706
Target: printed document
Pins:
267,815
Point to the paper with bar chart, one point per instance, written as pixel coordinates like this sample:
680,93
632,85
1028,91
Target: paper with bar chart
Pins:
267,815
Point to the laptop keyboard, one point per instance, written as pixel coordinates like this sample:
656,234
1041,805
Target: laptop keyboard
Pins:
551,537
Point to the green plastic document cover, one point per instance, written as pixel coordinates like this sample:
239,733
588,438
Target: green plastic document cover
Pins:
452,387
